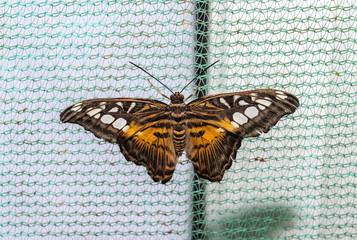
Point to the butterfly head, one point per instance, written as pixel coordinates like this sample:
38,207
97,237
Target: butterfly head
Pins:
176,98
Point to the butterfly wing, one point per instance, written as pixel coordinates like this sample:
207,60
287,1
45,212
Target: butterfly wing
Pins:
216,125
210,148
141,128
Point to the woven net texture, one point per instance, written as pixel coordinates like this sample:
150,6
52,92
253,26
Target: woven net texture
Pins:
58,181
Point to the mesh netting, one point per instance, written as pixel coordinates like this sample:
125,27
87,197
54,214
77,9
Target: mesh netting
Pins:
296,182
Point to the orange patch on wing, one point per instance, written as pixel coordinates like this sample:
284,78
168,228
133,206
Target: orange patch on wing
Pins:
150,135
210,149
137,127
225,124
153,148
132,130
210,132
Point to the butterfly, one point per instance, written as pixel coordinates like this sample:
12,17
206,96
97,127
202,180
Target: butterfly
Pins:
209,129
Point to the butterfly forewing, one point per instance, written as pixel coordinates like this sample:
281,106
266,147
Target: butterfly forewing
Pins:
245,113
114,120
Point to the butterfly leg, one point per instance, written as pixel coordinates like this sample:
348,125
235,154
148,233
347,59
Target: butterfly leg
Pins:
194,93
157,90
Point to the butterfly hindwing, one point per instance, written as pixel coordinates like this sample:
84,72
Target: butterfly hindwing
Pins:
153,147
217,123
210,148
141,127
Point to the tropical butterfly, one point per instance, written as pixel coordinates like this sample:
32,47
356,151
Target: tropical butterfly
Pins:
210,129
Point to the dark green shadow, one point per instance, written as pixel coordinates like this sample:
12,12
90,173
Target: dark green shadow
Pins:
254,223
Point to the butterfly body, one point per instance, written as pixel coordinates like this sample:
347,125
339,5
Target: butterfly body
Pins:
209,129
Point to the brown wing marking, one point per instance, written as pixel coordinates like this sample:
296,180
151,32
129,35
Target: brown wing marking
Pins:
211,149
154,149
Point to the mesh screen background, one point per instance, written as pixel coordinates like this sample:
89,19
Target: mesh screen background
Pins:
59,181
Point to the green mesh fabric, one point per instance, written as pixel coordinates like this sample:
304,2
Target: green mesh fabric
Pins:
58,181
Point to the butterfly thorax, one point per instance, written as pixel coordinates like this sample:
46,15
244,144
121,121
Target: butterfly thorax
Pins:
177,109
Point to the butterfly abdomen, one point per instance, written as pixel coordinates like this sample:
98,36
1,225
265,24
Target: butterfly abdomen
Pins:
178,115
179,138
177,110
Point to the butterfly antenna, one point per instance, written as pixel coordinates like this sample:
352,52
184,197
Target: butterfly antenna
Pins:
197,75
153,78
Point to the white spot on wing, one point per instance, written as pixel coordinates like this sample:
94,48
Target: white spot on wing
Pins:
102,105
235,97
97,116
132,105
120,104
224,102
251,112
253,96
94,112
240,118
107,119
125,128
235,124
261,107
119,123
114,109
281,96
268,99
77,104
221,129
242,103
77,108
264,102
